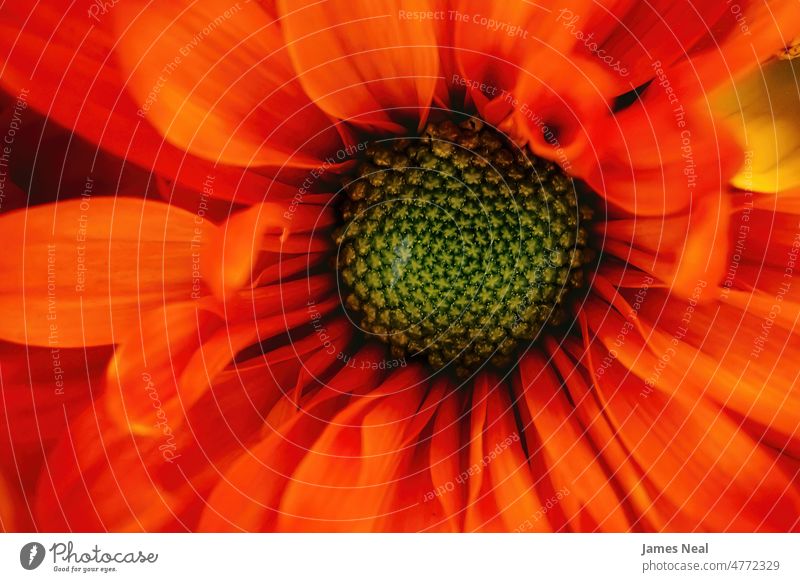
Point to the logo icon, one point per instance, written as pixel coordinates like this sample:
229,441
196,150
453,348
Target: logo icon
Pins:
31,555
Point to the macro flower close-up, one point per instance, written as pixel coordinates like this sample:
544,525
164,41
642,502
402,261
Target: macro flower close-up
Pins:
399,266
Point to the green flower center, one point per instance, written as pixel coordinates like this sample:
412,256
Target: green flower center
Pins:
459,246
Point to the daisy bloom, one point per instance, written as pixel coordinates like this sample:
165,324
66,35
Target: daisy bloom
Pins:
399,266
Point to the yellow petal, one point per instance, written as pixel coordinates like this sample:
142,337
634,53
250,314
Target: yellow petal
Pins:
763,109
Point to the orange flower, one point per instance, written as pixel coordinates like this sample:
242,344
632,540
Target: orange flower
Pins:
590,313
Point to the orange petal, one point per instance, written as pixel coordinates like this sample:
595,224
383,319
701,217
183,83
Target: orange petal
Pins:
237,243
215,79
712,474
67,55
512,479
102,480
629,36
729,354
682,251
79,270
445,463
348,479
660,153
364,61
496,44
581,486
742,41
43,389
559,106
248,497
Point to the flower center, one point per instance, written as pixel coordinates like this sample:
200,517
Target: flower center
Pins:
458,245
